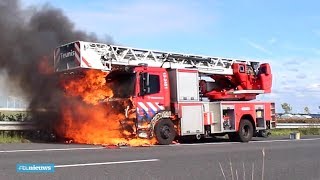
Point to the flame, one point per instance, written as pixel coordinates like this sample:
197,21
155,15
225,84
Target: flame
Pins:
87,120
91,88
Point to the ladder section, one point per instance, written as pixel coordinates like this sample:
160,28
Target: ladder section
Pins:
119,55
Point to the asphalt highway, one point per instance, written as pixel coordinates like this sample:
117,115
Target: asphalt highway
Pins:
284,159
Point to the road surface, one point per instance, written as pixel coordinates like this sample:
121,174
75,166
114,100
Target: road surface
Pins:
284,159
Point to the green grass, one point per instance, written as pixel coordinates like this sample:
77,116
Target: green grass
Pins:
303,131
7,137
298,120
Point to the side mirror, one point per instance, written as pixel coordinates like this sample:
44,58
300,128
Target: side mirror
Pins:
144,84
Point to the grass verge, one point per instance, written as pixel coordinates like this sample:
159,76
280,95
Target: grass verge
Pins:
303,131
6,137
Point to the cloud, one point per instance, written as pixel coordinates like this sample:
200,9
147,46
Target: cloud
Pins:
293,69
301,76
272,41
258,47
293,62
315,87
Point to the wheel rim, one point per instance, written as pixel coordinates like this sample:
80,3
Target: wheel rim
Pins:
165,132
246,131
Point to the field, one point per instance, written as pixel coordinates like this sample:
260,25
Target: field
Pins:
298,120
302,131
12,137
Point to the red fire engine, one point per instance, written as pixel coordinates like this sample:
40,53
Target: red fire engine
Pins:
179,95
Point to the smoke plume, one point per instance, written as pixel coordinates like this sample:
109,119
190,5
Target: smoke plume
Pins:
27,41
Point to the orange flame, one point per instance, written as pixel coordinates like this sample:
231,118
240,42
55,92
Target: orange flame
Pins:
90,88
87,120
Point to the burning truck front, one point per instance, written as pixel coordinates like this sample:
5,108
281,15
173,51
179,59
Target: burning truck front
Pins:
137,96
127,98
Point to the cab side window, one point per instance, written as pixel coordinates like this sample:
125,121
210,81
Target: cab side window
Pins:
154,84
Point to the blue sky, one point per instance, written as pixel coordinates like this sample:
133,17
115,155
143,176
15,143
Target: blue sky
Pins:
283,33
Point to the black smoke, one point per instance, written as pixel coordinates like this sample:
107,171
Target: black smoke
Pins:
28,38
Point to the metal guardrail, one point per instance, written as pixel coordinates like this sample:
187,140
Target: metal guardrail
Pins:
14,109
297,125
20,109
16,126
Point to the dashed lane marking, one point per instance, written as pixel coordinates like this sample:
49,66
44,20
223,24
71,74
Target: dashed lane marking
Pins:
57,149
105,163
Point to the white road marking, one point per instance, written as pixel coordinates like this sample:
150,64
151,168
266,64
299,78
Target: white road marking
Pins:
105,163
224,143
199,144
286,140
41,150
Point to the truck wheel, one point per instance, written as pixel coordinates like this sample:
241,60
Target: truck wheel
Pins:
245,131
164,131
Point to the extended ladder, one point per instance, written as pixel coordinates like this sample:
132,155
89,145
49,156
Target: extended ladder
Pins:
118,55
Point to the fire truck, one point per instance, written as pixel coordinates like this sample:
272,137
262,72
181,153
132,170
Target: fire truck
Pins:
176,95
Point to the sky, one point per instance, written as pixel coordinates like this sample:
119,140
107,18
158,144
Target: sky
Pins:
282,33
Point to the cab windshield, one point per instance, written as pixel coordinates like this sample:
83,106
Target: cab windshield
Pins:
121,83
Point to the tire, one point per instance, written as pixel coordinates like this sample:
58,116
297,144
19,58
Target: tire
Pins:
164,131
245,132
